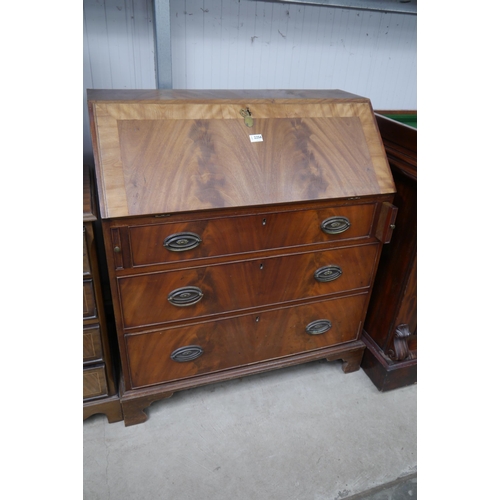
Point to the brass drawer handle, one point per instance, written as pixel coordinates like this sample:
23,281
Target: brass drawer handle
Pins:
186,353
318,327
328,273
335,225
186,296
180,242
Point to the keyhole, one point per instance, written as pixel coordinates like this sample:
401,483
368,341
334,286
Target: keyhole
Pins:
257,319
264,222
262,266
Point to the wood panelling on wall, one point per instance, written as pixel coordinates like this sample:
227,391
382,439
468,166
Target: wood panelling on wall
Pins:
233,44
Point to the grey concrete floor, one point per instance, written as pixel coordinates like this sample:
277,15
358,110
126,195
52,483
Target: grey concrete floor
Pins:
397,490
306,432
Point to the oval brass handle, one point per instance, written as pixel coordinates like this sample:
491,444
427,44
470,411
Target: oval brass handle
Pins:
318,327
328,273
335,225
186,353
180,242
185,296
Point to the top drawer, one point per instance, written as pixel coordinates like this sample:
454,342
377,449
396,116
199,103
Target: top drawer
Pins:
202,238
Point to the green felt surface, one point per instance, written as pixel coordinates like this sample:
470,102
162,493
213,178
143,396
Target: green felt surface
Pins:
410,120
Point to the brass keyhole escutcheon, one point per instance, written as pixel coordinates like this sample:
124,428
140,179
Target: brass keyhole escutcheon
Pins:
245,113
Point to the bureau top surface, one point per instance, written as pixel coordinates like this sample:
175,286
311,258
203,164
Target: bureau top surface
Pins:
165,151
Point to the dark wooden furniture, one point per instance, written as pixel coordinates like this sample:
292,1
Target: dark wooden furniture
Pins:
390,330
242,230
100,393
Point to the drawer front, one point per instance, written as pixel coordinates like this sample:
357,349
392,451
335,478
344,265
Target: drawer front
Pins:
92,347
177,295
86,261
159,243
89,304
94,382
219,345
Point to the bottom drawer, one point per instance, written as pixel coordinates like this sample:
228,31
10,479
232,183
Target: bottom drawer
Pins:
187,351
94,382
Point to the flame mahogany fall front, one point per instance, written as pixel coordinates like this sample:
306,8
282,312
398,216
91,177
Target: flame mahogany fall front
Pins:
229,257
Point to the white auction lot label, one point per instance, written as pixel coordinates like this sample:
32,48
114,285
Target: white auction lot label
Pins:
256,138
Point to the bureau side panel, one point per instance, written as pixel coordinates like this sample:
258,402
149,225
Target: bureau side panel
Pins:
110,255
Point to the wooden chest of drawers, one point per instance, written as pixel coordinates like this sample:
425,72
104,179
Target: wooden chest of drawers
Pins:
100,394
243,230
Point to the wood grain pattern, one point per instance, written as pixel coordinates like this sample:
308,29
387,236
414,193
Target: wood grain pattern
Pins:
94,382
86,261
89,202
393,289
89,305
386,223
180,165
243,285
92,347
240,234
408,308
383,372
99,388
228,110
243,340
217,95
111,407
109,168
394,296
168,154
172,162
136,401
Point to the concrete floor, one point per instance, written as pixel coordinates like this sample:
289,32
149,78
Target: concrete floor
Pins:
306,432
397,490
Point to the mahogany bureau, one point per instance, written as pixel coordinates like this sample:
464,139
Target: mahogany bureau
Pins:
243,230
100,394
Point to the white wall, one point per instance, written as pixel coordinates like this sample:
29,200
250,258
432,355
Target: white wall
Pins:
256,44
118,50
253,44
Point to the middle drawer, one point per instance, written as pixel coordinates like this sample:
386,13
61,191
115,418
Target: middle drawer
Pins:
170,296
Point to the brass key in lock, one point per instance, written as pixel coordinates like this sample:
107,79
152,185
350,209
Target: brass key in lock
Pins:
245,113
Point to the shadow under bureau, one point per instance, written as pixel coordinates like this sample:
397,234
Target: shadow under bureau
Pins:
243,230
